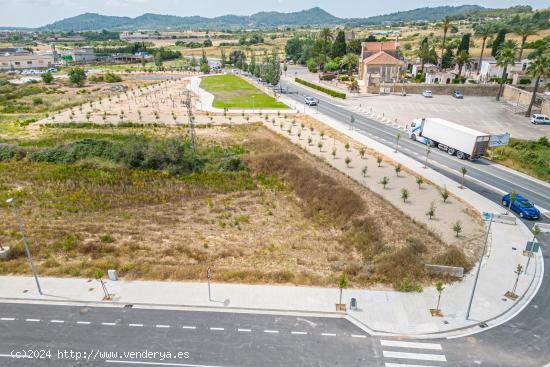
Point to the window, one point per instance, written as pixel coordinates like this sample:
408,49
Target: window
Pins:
17,63
29,62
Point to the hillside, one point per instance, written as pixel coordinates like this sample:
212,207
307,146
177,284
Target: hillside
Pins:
311,17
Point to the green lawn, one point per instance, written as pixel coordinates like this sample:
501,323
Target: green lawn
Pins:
231,91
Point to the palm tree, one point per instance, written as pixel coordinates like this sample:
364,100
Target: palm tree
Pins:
483,31
424,52
525,29
540,67
349,61
506,56
326,36
445,25
463,58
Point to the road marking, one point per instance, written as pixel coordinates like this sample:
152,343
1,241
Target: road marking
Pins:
162,326
217,328
328,334
7,319
159,363
271,331
397,343
417,356
57,321
245,330
32,320
83,322
189,327
299,332
358,336
135,325
405,365
108,323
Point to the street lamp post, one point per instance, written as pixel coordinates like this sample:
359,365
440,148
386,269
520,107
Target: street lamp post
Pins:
479,268
14,208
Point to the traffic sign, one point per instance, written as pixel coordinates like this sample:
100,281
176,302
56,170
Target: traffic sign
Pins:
532,246
209,273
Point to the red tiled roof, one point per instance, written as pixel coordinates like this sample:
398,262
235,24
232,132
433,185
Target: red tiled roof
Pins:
382,58
380,46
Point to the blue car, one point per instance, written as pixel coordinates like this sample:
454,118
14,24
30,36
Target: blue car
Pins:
522,206
457,94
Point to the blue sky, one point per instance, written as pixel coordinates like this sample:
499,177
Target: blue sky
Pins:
33,13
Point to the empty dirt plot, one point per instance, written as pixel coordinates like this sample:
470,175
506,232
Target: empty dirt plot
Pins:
258,209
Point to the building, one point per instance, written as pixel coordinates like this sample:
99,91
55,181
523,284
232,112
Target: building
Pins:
84,54
490,69
380,67
24,59
370,48
134,36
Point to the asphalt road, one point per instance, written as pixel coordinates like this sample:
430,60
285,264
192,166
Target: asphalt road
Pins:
495,179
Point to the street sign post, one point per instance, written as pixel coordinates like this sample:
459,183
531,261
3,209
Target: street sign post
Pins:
530,248
209,276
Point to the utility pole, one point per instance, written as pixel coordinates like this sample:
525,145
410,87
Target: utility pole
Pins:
479,268
29,256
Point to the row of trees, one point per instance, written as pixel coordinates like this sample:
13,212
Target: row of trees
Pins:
267,68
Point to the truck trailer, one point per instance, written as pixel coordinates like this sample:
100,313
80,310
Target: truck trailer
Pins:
463,141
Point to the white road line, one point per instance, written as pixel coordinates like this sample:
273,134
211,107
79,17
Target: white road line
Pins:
162,326
405,365
328,334
135,325
217,328
7,319
32,320
299,332
397,343
245,330
158,363
83,322
57,321
416,356
358,336
189,327
271,331
108,323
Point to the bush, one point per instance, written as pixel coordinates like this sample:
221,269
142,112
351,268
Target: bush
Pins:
112,78
525,81
328,91
328,77
344,78
311,66
37,101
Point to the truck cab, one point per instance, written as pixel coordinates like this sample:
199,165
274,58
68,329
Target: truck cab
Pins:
415,132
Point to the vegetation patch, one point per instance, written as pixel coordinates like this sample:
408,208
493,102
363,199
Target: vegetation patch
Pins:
531,157
231,91
320,88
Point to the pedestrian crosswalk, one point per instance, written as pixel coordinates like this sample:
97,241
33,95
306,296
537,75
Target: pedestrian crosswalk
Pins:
398,353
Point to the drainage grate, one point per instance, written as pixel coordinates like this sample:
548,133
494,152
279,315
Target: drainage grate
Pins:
483,325
128,306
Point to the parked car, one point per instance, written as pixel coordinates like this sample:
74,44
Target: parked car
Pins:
427,94
457,94
538,119
522,206
310,101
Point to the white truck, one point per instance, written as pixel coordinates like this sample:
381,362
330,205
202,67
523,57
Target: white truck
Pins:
463,141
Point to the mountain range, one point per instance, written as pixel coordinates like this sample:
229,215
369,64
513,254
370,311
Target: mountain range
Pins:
311,17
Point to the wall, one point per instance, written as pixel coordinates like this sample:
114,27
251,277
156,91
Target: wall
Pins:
442,89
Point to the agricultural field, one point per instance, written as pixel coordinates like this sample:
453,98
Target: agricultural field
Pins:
256,207
231,91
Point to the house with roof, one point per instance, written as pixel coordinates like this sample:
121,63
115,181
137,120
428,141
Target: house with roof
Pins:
379,63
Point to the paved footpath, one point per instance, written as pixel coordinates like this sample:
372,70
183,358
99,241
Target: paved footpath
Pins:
379,312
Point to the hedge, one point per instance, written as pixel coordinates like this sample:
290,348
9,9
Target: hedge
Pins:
328,91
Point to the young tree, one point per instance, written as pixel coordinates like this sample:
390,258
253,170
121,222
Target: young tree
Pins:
457,227
518,271
444,194
428,151
397,138
379,160
539,68
347,147
404,194
463,170
348,161
512,198
419,182
431,211
397,169
439,287
364,171
385,181
320,146
342,283
333,153
309,140
362,152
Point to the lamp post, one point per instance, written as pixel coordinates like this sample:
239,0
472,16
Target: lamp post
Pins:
479,268
14,208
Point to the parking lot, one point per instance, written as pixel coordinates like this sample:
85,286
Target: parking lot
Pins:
481,113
